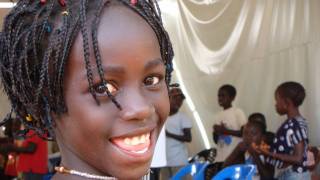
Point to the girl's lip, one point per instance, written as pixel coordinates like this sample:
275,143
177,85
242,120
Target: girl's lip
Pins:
143,155
135,144
136,132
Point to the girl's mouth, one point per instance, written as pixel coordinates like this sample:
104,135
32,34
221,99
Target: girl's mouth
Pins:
135,145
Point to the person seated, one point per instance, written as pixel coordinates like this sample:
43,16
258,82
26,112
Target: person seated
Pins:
268,137
313,160
244,152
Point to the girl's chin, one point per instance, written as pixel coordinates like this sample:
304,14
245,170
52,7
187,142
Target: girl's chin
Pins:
134,174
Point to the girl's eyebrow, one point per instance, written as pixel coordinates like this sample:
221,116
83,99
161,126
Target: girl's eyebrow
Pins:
111,69
116,69
153,63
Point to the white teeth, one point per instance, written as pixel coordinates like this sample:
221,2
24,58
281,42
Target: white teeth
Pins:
142,138
135,140
127,141
141,152
132,141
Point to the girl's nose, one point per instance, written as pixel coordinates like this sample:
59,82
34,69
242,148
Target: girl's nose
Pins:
136,106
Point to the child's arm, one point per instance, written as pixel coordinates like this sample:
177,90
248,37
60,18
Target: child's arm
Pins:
222,130
265,170
311,158
295,158
317,157
215,137
186,137
237,155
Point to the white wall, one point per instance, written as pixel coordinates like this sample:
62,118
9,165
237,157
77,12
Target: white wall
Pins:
254,45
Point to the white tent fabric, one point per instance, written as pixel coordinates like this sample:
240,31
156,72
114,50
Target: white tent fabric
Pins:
254,45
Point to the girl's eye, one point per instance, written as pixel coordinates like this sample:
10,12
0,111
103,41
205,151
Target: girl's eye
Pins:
101,89
152,80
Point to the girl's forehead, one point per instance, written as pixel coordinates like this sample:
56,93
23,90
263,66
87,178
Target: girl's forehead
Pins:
120,24
121,35
251,127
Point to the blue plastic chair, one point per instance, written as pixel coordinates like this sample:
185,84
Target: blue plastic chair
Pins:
196,170
236,172
48,176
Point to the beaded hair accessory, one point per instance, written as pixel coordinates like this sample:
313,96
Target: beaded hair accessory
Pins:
29,118
134,2
61,2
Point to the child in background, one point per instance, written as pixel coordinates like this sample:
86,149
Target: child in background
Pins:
94,74
259,118
227,124
268,136
313,162
244,152
289,150
178,133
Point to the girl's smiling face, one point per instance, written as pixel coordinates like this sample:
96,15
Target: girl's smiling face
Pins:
102,139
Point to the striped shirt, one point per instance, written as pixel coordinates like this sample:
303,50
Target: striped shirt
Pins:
290,133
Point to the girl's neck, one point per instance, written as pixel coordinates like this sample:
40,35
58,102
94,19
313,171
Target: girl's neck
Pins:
293,112
173,112
71,161
227,107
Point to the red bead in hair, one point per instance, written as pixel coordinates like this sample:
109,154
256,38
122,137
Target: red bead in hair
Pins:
62,2
43,1
134,2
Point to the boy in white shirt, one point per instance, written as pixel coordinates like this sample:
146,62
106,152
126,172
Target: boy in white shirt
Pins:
227,124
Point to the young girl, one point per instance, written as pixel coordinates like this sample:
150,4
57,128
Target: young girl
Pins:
94,73
289,150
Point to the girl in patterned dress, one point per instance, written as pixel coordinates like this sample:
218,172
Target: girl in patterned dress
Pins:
288,153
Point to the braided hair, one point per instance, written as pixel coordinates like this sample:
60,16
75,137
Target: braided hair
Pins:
35,43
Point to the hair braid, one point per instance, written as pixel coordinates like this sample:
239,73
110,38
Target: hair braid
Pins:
85,40
147,11
97,54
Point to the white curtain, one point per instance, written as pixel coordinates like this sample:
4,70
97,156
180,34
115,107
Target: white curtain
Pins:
254,45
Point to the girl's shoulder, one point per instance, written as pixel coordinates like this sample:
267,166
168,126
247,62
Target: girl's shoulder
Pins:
299,121
292,124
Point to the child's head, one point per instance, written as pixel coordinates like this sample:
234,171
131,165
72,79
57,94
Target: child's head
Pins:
253,132
93,72
259,118
289,95
226,95
268,137
176,99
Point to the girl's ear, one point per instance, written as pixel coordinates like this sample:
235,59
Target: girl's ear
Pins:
288,102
